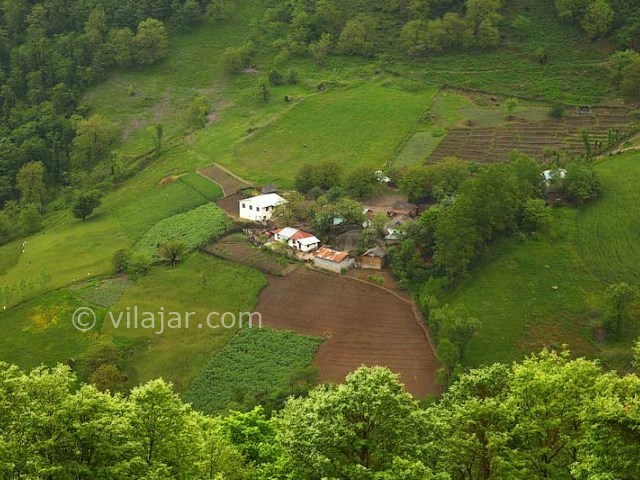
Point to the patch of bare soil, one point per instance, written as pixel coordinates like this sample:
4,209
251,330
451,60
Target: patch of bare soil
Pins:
363,324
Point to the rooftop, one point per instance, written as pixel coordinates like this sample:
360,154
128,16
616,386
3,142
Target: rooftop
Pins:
267,200
330,255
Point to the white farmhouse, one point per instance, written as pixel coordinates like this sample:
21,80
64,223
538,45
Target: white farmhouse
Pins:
260,208
303,241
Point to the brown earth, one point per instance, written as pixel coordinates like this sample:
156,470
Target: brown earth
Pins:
230,203
237,248
364,325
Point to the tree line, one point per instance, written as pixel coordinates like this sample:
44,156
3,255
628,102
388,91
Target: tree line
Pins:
50,52
548,416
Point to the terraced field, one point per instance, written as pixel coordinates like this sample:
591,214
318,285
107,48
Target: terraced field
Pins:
495,143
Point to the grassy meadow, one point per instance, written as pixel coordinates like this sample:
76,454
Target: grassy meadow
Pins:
608,231
202,284
549,290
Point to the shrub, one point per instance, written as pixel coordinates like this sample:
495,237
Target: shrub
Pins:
582,183
120,260
138,265
535,216
276,78
557,111
292,77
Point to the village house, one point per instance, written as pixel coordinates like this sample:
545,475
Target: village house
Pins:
373,258
297,239
553,176
332,260
396,228
260,208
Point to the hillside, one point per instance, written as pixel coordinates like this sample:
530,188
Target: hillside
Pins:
470,169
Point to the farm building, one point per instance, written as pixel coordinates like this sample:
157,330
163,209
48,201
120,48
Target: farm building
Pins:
259,208
403,208
396,229
551,176
373,258
332,260
303,241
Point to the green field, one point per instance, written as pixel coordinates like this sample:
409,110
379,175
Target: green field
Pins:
203,284
608,234
257,362
193,228
357,126
549,291
41,332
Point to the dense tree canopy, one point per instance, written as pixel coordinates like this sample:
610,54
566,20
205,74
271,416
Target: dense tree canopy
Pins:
546,417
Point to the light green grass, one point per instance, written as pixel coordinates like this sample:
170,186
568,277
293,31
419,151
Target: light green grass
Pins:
202,284
531,294
9,255
205,187
256,362
357,126
608,233
41,331
193,228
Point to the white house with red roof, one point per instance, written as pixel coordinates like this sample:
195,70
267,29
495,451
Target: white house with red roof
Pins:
297,239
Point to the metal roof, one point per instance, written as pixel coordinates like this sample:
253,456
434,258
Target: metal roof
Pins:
330,255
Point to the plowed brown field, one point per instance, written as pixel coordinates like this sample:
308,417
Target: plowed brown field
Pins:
364,325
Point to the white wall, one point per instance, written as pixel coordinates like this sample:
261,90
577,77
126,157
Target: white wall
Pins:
257,214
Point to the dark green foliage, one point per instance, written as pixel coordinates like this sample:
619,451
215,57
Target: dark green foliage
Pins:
323,176
85,203
172,251
557,111
257,363
582,183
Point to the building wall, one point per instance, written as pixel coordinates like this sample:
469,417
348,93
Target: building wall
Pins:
374,263
303,248
255,215
333,266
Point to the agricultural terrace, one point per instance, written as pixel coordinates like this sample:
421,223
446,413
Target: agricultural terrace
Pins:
495,143
237,248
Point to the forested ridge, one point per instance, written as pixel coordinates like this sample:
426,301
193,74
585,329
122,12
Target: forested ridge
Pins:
547,417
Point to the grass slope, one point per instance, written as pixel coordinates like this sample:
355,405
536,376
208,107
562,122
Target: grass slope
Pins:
548,292
202,284
608,234
41,332
357,126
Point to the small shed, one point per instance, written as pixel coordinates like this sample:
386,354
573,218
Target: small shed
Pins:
332,260
267,189
373,258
